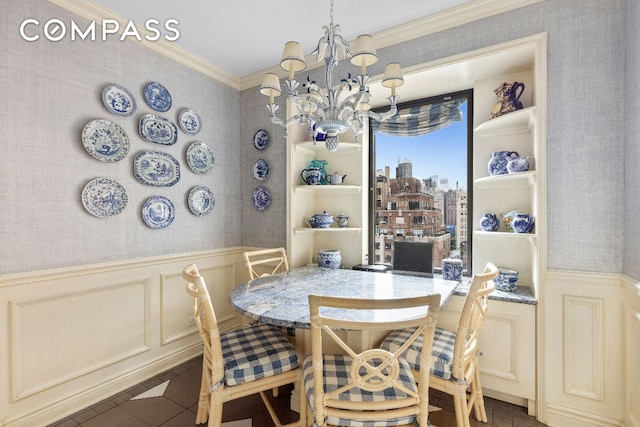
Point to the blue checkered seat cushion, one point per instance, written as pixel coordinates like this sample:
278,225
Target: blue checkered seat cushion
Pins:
441,353
336,374
256,352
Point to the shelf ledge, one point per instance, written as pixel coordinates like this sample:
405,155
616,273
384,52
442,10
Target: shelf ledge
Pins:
318,147
518,179
531,237
516,121
333,189
326,230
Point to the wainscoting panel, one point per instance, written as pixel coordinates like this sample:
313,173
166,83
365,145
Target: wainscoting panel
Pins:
632,353
78,335
77,332
583,341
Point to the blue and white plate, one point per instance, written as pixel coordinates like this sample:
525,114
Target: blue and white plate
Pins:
261,198
156,168
118,100
105,140
104,197
200,157
201,200
157,96
261,169
158,212
189,121
261,139
158,130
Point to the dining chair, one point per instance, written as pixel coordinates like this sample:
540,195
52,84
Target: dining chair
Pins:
454,355
237,363
374,387
269,261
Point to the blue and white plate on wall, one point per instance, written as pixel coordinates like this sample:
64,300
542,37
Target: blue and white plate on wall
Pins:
118,100
105,140
158,212
158,130
261,169
200,158
261,139
104,197
156,169
189,121
157,96
201,200
261,198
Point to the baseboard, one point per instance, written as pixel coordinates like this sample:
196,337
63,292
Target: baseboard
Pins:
559,416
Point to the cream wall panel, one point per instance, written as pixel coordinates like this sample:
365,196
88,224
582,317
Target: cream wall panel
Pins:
583,341
76,333
632,353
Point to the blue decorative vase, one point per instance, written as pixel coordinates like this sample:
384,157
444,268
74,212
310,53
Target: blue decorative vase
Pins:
522,223
489,222
499,160
506,280
330,258
452,269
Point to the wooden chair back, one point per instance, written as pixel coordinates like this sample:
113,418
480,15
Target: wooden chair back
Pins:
472,319
265,262
372,370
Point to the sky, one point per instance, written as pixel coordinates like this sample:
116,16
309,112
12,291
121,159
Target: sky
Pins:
441,153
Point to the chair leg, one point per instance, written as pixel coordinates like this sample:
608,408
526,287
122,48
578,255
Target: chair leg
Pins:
477,395
203,401
215,410
461,409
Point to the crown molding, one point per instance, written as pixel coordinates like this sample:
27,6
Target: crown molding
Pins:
92,11
450,18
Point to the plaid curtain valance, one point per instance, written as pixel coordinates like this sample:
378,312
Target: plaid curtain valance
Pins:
420,120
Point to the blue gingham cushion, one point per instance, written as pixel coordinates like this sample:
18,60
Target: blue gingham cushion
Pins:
441,353
336,374
256,352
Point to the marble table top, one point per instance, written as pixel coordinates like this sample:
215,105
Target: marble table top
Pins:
281,299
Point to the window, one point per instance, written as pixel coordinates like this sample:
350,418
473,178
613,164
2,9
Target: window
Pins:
421,165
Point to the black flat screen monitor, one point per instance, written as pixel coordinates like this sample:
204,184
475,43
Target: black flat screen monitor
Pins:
413,257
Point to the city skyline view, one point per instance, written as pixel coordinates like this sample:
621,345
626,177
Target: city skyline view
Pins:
442,153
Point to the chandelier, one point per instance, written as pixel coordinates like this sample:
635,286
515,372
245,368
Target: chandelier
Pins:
333,110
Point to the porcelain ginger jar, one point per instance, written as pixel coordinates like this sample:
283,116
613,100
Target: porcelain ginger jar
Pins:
489,222
330,258
522,223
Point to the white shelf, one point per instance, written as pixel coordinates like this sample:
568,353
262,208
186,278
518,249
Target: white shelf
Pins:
328,189
515,122
313,147
531,237
327,230
518,179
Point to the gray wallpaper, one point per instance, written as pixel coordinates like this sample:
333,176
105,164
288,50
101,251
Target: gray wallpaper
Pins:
49,92
631,106
586,51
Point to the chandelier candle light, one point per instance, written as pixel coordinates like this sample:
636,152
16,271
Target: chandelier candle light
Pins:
332,111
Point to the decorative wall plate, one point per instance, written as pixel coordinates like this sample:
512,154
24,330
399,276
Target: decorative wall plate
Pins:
104,197
118,100
261,139
156,168
105,140
201,200
158,212
189,121
261,169
200,157
158,130
157,96
261,198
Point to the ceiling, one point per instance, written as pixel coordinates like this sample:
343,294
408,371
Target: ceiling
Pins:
243,37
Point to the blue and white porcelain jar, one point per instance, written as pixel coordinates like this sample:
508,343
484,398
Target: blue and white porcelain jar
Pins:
452,269
330,258
489,222
506,280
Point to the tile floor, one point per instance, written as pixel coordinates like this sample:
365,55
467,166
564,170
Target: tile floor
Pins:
176,403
